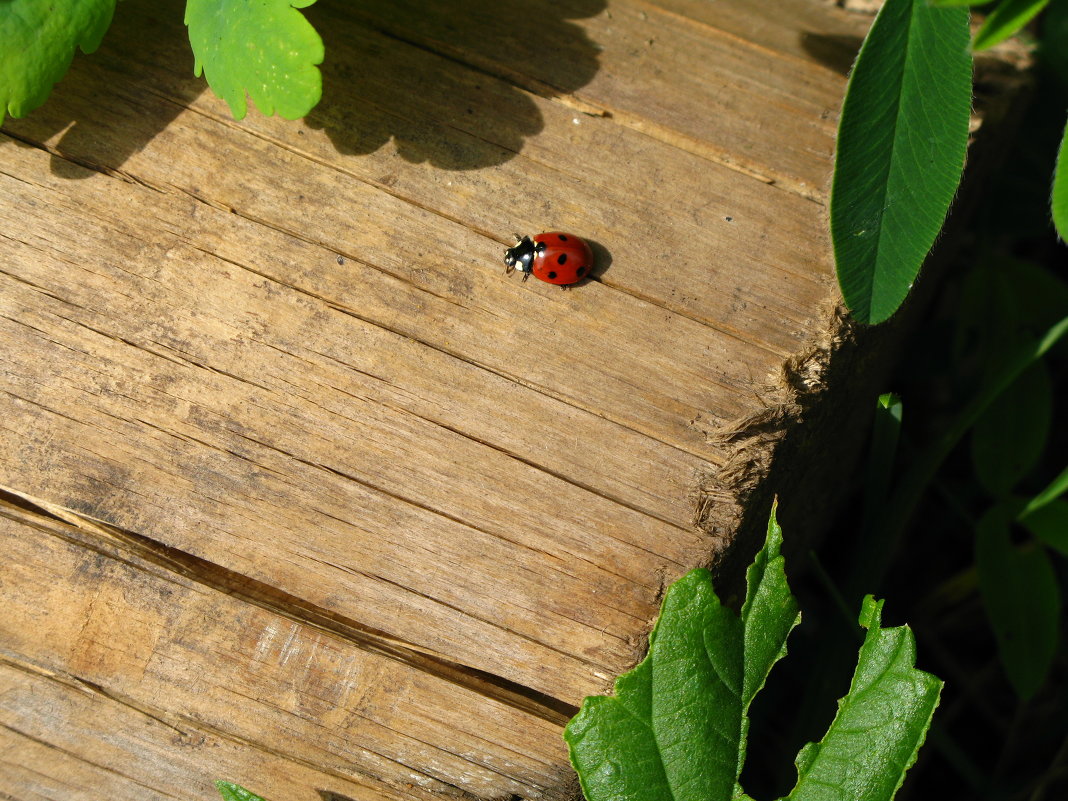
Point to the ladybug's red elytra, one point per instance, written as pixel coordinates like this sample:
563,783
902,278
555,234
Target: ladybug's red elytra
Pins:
554,257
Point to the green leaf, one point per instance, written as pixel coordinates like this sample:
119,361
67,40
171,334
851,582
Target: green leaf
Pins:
1009,438
675,726
1022,600
265,48
880,724
235,792
1059,198
1006,19
37,42
901,145
1049,523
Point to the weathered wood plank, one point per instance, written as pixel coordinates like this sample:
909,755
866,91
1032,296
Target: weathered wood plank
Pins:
349,508
176,402
93,629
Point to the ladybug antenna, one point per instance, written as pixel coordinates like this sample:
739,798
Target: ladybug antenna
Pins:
518,238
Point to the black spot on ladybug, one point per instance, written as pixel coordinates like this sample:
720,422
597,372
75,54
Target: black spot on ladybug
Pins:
552,273
562,237
580,271
561,259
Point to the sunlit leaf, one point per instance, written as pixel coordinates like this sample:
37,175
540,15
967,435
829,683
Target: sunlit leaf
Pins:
1059,197
37,43
235,792
263,48
676,728
880,724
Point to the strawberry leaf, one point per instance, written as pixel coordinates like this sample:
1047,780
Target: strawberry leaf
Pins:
263,48
37,42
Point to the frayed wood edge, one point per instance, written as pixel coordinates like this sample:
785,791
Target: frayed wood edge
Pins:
721,495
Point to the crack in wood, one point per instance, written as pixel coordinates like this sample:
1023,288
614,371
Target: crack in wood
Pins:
298,610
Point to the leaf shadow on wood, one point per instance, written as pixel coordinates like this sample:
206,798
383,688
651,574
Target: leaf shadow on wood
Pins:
451,84
330,795
113,102
835,52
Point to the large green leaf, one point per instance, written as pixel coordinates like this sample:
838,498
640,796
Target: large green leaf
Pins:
265,48
1059,198
1005,20
37,42
880,724
1022,599
676,728
901,146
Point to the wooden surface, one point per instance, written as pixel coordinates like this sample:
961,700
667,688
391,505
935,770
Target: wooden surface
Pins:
297,488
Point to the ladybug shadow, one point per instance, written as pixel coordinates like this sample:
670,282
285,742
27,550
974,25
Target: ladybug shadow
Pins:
602,260
451,83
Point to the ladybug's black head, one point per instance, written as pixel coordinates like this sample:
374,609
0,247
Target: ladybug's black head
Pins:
521,256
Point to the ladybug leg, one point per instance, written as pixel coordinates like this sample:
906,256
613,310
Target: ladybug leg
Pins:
526,275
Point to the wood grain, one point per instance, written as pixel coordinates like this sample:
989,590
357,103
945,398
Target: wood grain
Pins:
299,489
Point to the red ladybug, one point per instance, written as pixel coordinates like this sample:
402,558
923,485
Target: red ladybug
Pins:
554,257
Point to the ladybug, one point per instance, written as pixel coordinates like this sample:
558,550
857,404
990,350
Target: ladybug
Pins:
554,257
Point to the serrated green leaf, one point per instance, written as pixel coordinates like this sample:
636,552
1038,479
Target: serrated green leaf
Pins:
769,613
263,48
673,731
901,145
1008,17
37,43
1022,600
1049,523
1059,197
1009,438
880,724
235,792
